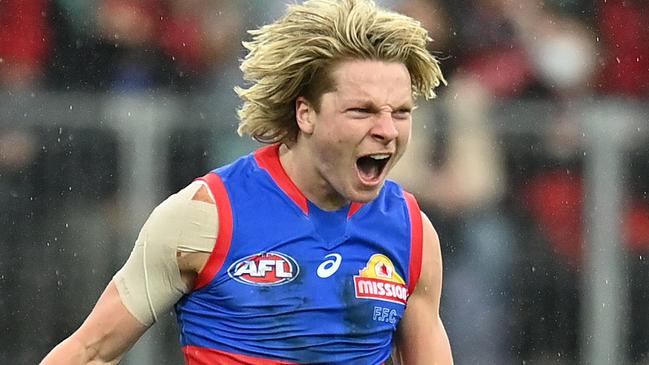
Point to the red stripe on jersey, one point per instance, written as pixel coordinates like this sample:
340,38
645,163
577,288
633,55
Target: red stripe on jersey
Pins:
195,355
353,208
224,237
416,241
268,159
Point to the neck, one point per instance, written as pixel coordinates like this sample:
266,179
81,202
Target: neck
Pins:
301,169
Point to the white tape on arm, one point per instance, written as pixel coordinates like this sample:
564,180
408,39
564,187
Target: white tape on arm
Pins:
150,283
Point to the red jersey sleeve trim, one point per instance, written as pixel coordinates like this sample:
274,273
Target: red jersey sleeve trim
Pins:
268,159
224,237
416,241
195,355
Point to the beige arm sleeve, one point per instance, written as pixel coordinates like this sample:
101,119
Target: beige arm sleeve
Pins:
149,283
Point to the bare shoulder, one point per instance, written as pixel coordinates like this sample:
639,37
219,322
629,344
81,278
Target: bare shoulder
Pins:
431,270
203,195
431,239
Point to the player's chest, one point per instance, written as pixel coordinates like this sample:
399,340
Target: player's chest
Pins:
362,281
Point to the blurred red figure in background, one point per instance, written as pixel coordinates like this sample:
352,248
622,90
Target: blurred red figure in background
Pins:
24,42
625,35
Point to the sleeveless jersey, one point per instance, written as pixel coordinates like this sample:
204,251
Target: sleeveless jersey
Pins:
289,283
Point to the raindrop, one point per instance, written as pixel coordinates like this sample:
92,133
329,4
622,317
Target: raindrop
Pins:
70,106
129,114
2,60
618,59
67,225
533,269
69,188
60,130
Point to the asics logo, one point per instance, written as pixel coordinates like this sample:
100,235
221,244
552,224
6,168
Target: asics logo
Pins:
330,266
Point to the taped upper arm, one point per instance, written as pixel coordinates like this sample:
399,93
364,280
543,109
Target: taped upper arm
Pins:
150,282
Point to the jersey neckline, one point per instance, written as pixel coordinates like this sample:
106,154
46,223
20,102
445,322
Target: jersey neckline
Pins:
267,158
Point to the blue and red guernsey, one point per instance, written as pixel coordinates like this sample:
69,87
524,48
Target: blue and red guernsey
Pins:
289,283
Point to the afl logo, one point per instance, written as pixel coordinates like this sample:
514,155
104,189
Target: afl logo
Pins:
264,269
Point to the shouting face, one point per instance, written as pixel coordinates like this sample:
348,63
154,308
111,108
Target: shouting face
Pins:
361,129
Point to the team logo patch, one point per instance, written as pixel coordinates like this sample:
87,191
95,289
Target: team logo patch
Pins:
379,280
265,269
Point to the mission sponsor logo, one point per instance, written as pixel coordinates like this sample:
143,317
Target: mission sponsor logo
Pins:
264,269
379,280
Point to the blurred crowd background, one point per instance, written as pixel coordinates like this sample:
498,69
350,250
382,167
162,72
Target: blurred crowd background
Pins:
96,93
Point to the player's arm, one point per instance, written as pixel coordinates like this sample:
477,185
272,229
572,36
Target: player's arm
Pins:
105,336
172,248
421,338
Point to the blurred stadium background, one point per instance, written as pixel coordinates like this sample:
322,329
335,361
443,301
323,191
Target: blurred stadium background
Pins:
533,163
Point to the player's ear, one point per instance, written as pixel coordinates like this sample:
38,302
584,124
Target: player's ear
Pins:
304,115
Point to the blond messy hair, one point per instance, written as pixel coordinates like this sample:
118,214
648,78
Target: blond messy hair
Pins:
292,57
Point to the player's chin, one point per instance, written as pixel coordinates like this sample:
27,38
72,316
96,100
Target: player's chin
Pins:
365,194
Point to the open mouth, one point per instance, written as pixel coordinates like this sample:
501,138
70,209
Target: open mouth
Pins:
370,167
